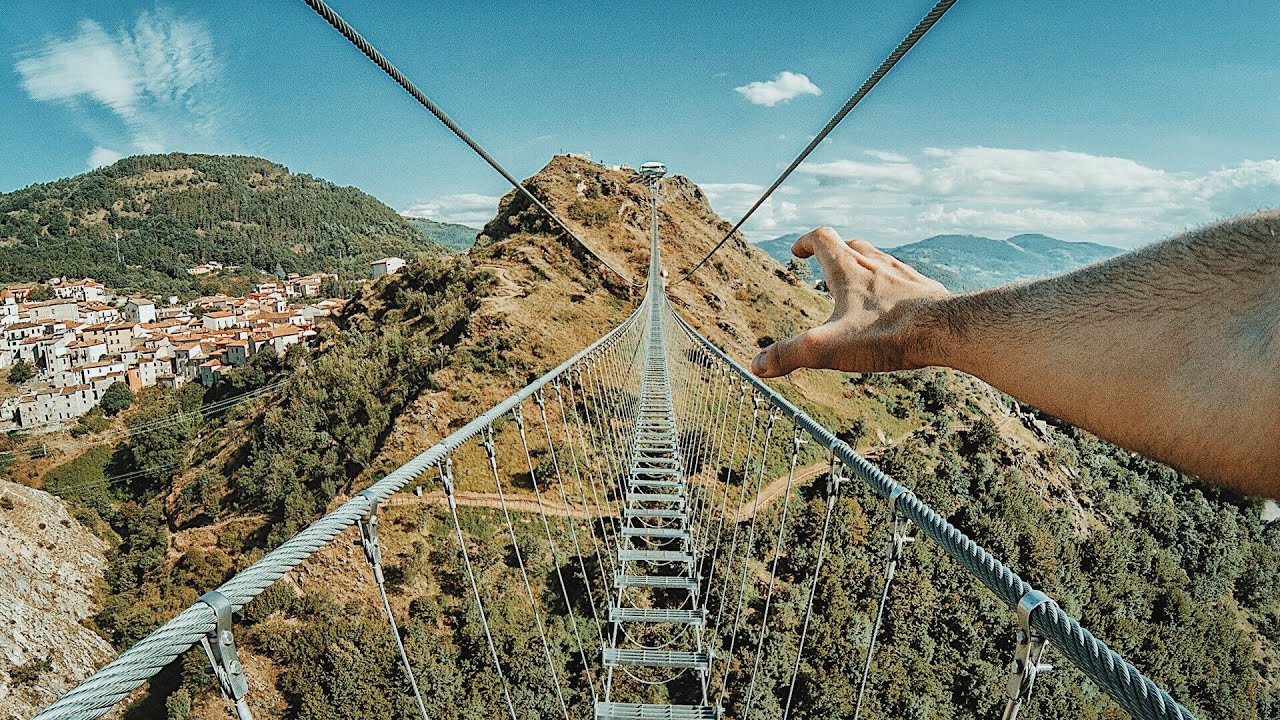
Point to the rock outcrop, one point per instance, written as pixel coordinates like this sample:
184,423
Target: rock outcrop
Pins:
52,568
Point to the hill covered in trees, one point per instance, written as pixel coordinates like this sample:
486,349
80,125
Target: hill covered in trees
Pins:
171,212
450,236
1181,577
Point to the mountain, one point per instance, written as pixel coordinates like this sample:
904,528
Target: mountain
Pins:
450,236
171,212
972,262
986,263
1179,576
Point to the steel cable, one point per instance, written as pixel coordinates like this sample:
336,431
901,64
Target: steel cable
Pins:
342,26
907,43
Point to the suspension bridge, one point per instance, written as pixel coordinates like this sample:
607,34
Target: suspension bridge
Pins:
654,446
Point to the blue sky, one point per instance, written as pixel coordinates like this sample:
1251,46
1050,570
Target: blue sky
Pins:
1112,122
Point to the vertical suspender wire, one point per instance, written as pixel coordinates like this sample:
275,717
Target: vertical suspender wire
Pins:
604,457
724,486
833,492
540,400
555,553
891,563
582,492
607,441
796,441
746,556
712,438
737,517
592,470
380,580
491,451
445,466
710,478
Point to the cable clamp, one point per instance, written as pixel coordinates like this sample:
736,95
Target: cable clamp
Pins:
368,541
446,479
220,647
1028,655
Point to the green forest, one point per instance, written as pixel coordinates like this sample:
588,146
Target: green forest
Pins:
1181,578
172,212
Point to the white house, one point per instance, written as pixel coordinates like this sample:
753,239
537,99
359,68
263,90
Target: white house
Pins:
218,320
386,266
140,310
86,290
95,312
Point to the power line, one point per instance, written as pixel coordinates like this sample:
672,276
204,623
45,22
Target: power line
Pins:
907,43
350,33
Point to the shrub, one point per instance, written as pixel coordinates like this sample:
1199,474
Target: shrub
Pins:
116,399
21,372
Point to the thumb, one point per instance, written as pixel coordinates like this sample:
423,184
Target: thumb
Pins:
785,356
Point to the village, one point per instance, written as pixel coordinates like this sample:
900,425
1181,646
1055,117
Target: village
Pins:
74,345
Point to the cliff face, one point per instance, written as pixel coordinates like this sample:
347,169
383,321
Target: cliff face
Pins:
53,567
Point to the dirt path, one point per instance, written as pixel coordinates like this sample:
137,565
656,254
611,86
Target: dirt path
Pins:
503,298
516,502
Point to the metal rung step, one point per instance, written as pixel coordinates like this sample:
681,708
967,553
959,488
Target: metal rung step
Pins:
664,582
671,556
654,497
658,658
665,514
679,533
655,459
636,711
652,615
656,471
656,484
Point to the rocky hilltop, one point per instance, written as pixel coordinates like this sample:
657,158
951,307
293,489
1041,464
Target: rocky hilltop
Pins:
51,578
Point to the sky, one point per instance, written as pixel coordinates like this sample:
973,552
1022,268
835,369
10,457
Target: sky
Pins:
1119,123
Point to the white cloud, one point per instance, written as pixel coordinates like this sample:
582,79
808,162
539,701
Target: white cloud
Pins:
102,156
896,198
887,156
465,208
783,87
158,77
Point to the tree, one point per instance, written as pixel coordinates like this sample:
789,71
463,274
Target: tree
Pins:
116,399
798,268
40,292
21,372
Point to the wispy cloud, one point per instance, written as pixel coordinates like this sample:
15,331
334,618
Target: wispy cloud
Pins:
465,208
158,77
782,88
896,198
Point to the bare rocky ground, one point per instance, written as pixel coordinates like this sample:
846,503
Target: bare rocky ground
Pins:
53,567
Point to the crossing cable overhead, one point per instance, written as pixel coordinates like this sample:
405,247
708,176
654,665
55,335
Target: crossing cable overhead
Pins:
333,18
907,43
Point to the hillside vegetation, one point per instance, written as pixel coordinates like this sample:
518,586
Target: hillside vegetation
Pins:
172,212
1182,578
450,236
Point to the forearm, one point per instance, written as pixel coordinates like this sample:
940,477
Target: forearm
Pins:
1173,351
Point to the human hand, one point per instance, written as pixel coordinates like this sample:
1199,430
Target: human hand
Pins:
875,324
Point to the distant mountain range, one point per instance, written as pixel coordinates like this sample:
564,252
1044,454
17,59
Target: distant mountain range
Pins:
448,235
972,262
